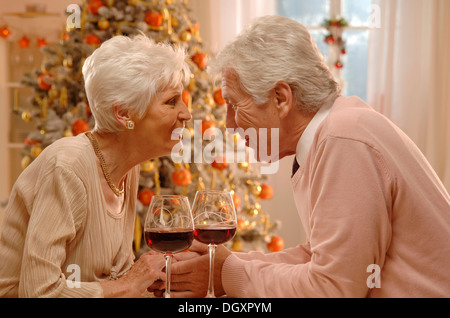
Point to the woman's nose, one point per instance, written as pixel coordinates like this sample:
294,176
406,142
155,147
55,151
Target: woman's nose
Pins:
185,115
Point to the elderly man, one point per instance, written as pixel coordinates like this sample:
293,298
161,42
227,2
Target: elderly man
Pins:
376,215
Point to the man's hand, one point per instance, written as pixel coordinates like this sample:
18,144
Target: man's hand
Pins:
190,274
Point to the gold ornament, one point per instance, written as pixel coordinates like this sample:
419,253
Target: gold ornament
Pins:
209,100
252,211
185,36
36,151
68,62
255,189
243,165
147,166
174,21
103,24
26,116
25,162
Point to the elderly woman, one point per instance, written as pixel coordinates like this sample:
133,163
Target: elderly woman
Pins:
68,228
376,216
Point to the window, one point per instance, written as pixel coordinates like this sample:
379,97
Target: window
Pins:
356,36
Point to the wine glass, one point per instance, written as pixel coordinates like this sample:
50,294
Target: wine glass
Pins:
169,228
214,223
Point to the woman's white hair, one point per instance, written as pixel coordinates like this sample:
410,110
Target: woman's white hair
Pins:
128,73
275,49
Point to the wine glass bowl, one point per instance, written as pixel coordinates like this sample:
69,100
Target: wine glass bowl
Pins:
214,223
169,228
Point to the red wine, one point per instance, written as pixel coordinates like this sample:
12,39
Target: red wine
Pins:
214,234
169,240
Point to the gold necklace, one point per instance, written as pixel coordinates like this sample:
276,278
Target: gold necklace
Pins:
99,155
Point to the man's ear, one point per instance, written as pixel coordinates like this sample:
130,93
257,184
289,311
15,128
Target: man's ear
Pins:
284,98
121,116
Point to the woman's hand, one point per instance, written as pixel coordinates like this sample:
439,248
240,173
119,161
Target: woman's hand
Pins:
145,275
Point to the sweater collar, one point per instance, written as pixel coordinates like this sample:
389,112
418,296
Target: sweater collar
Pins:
307,138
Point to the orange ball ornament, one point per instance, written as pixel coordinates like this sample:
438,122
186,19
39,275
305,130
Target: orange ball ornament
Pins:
201,60
186,97
182,177
153,18
92,39
145,196
42,81
207,124
94,5
276,244
218,98
80,126
266,192
236,201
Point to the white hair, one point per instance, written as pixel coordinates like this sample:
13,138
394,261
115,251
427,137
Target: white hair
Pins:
128,73
275,49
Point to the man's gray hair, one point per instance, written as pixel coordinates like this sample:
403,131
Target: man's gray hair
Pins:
275,49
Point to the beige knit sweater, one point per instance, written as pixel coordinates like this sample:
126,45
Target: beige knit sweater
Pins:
58,239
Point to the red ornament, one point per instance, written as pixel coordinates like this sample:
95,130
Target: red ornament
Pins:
92,39
329,39
42,81
24,42
80,126
30,142
4,32
266,192
218,98
94,5
338,65
201,60
276,244
145,196
220,164
41,42
153,18
182,177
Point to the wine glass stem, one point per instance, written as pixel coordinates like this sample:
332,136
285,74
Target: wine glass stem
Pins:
168,258
212,250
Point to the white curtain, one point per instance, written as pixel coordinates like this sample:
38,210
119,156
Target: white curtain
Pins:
222,20
409,74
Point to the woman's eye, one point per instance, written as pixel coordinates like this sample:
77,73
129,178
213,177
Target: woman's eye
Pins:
172,101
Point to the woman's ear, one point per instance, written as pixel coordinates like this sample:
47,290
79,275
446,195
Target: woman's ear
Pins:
284,98
121,116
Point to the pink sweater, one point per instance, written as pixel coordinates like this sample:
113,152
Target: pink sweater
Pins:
370,203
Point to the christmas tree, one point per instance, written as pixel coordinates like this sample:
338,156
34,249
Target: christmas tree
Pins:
61,109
